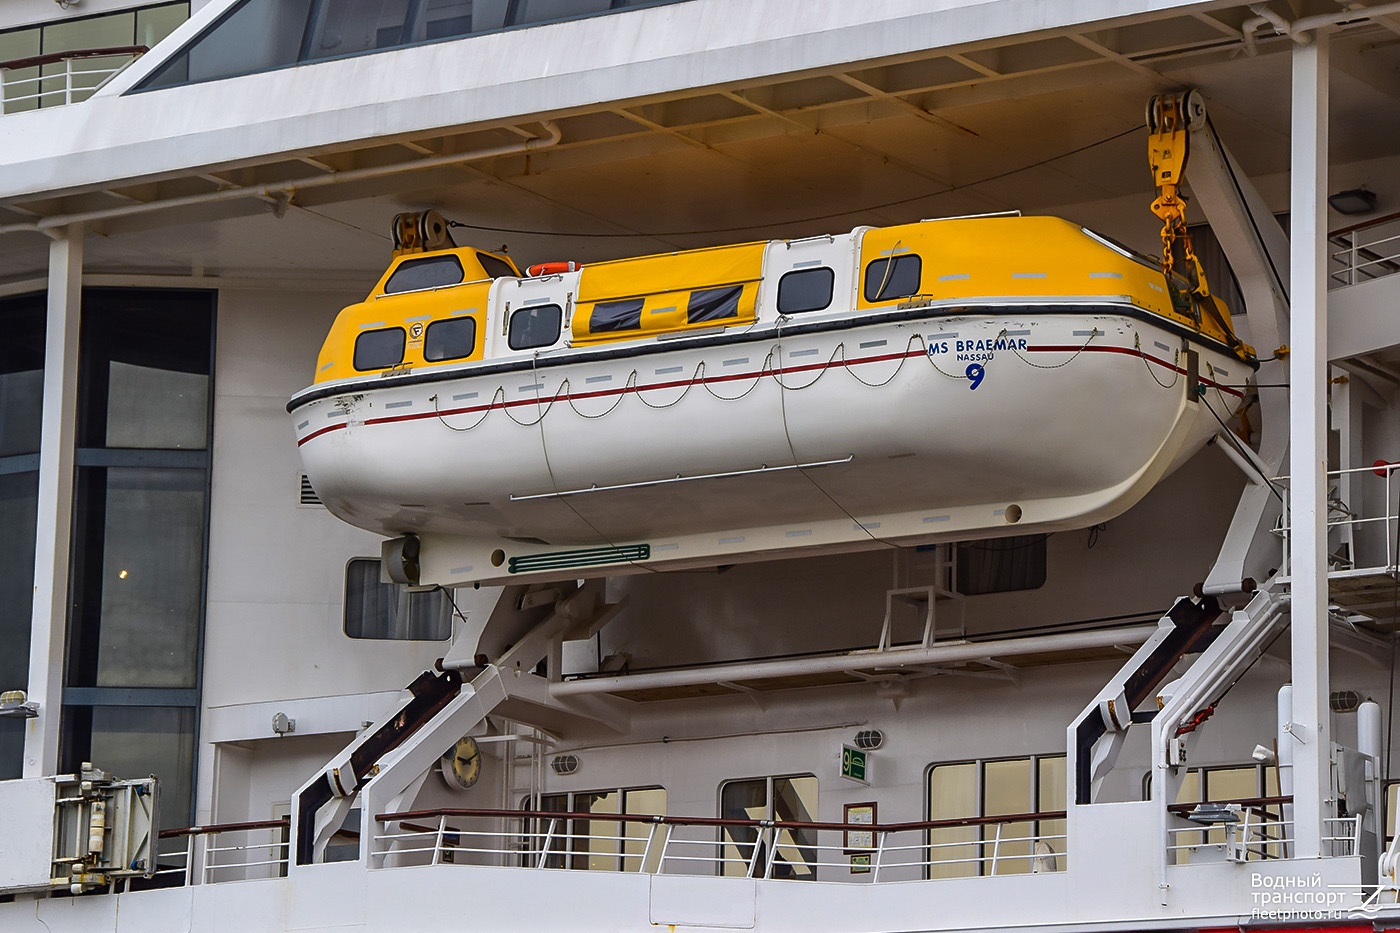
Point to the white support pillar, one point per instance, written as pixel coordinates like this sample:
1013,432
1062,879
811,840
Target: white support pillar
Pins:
1307,424
52,540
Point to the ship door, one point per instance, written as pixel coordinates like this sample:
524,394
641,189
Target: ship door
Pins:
531,315
805,278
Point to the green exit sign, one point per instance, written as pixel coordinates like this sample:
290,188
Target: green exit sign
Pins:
854,764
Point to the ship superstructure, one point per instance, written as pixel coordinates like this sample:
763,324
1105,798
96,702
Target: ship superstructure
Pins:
1170,713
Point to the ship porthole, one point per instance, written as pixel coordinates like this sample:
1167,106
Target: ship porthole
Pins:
498,557
1013,513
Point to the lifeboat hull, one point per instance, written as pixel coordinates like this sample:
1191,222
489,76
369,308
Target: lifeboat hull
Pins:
910,427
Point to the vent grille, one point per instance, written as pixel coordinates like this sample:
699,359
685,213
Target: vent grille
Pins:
308,492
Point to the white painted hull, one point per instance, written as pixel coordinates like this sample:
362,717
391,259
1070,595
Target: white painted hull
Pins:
691,450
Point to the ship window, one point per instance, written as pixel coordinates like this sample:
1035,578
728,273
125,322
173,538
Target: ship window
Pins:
535,326
1001,565
496,268
262,35
428,272
379,349
390,610
805,290
616,315
893,277
789,799
596,844
1008,787
713,304
454,339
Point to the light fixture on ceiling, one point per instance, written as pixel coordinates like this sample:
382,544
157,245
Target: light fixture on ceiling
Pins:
564,764
1353,201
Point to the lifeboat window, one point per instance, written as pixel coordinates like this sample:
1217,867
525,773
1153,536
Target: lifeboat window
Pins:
616,315
496,268
379,349
389,610
453,339
893,277
713,304
536,326
805,290
428,272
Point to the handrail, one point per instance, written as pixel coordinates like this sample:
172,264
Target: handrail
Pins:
1245,803
1373,222
52,58
284,822
723,821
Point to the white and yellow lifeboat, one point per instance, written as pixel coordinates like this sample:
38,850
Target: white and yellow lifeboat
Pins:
935,381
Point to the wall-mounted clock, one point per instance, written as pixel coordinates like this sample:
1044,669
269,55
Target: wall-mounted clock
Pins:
461,766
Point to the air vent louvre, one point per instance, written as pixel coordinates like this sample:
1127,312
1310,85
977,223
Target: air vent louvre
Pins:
308,492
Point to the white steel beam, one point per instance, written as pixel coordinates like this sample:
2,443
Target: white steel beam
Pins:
51,540
1308,724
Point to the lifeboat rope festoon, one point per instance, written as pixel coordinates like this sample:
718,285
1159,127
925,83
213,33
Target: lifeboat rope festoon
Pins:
837,360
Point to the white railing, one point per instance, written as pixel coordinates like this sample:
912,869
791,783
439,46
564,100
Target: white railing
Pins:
60,78
1259,831
1365,251
1362,513
228,852
765,849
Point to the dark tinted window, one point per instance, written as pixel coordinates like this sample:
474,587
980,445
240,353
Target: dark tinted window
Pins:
390,610
449,340
805,290
1001,565
537,326
496,268
428,272
893,278
616,315
379,349
713,304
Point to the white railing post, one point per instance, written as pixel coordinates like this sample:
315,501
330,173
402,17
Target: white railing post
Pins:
437,844
879,855
665,845
547,842
189,860
646,850
996,848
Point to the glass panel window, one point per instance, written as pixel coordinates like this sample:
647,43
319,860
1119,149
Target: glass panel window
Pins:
146,362
805,290
536,326
450,340
976,793
21,374
19,511
429,272
260,35
893,277
746,849
616,315
593,844
713,304
392,611
379,349
344,27
1001,565
132,741
496,268
138,563
543,11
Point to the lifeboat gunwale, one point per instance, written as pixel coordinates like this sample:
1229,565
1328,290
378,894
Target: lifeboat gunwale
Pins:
760,331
